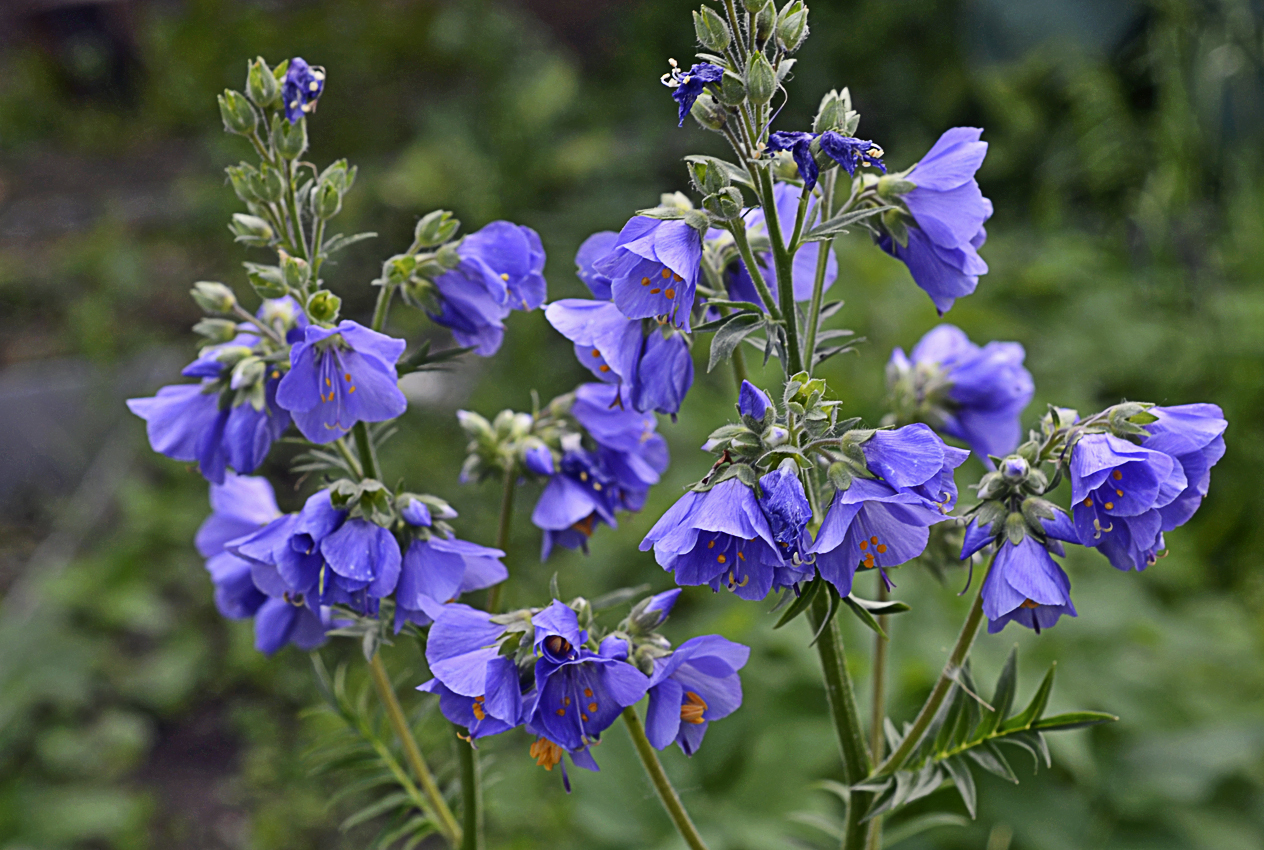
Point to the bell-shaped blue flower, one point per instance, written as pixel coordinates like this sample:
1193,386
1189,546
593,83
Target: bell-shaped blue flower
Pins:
279,622
985,388
721,537
574,501
629,448
352,370
478,688
437,571
239,507
364,561
301,88
1193,434
948,212
1117,492
786,506
694,685
590,251
653,269
687,85
1025,586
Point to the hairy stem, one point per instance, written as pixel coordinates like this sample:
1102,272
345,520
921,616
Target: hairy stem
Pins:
783,260
447,824
818,282
738,229
878,710
300,238
368,458
471,794
960,651
503,528
658,776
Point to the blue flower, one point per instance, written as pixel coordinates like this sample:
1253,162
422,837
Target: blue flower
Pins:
301,89
694,685
478,688
629,449
239,507
653,269
652,612
1025,586
352,370
1057,530
279,622
437,571
579,693
851,153
985,389
752,401
948,212
364,562
1117,491
574,501
721,537
884,522
687,85
800,146
590,251
1193,434
786,506
803,271
539,459
501,269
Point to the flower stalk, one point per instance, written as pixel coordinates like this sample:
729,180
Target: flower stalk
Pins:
662,784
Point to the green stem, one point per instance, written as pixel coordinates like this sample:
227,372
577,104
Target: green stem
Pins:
343,449
300,238
471,793
447,824
383,306
783,260
960,651
841,699
818,282
878,710
738,229
731,9
368,459
503,528
658,776
739,367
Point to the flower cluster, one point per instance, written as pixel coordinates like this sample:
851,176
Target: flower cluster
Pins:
540,669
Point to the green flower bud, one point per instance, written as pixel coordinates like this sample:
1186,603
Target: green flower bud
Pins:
267,184
893,221
250,230
754,6
709,178
289,139
707,112
213,297
340,174
725,204
327,201
215,330
712,32
420,293
447,256
261,84
248,371
764,23
732,89
761,81
266,280
435,228
792,26
323,306
240,176
890,186
697,220
239,116
294,271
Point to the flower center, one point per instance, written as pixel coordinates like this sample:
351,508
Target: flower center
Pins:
546,753
477,708
557,645
692,708
869,547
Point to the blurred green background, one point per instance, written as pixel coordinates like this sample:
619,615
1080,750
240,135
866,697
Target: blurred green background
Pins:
1127,140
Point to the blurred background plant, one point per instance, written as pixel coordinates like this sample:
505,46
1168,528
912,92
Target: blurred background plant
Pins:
1127,141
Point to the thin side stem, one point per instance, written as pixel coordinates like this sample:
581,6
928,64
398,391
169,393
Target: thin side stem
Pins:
368,459
300,238
343,449
447,824
783,261
662,784
739,367
383,306
471,794
960,651
503,528
731,9
818,282
878,709
738,229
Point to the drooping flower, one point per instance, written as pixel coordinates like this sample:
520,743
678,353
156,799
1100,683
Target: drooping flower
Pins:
478,688
800,146
302,87
437,571
1117,492
687,85
694,685
501,269
721,537
786,506
976,394
590,251
803,271
240,506
279,622
628,445
848,152
948,211
653,269
364,562
884,521
1193,434
576,499
352,370
1025,586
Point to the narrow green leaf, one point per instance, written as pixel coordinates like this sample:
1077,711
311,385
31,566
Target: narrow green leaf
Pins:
802,603
735,173
829,615
1035,708
959,770
337,242
839,224
990,759
920,824
828,825
727,338
951,712
740,306
891,606
929,778
390,801
615,598
1073,720
1026,740
862,613
418,827
1002,697
838,789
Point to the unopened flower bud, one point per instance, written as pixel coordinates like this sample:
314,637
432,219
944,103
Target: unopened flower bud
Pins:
537,457
697,220
777,436
754,6
1014,468
328,200
294,271
764,23
792,26
323,306
712,32
240,176
725,204
435,228
891,186
732,89
447,256
290,139
476,426
266,280
261,84
340,174
213,297
649,614
216,330
708,112
239,116
761,81
268,184
248,371
250,230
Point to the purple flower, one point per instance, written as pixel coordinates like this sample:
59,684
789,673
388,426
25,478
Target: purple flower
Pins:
1117,492
590,251
948,212
653,269
694,685
437,571
1025,586
800,146
539,459
240,506
574,501
477,687
501,270
786,506
364,562
803,272
629,448
752,401
721,537
301,89
653,611
352,370
985,390
851,153
279,622
1193,434
884,522
687,85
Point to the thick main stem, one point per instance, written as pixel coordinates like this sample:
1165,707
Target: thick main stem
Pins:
471,793
503,528
447,824
783,261
662,784
957,658
841,698
878,709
